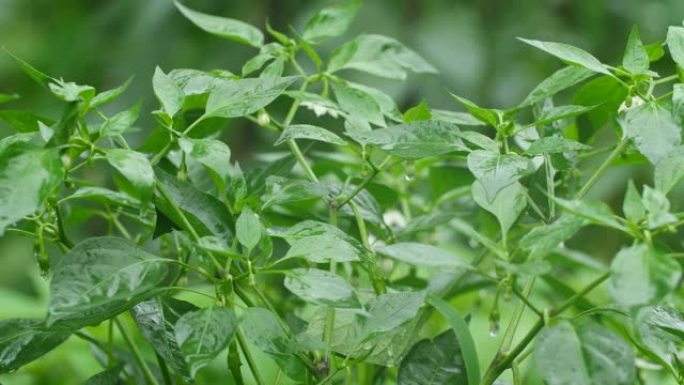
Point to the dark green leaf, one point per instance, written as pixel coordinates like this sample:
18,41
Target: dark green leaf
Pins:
669,171
414,140
100,278
590,355
206,214
421,255
29,70
632,206
248,229
155,319
657,208
436,362
543,239
485,115
22,120
28,176
454,117
642,275
321,287
554,145
635,59
496,171
380,56
570,54
106,377
213,154
560,80
223,27
168,93
391,310
331,21
675,43
242,97
307,131
507,206
121,122
109,95
203,334
418,113
135,167
653,130
24,340
463,336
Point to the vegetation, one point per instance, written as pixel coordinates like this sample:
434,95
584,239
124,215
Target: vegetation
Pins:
361,251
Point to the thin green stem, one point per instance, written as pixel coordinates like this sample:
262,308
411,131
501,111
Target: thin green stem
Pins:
503,361
248,357
137,355
602,168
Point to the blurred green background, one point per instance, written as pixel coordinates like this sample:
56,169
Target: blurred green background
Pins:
103,42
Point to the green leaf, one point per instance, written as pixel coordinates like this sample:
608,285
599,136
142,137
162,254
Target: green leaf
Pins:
570,54
203,334
136,168
213,154
248,229
675,43
378,55
106,377
669,171
543,239
24,340
418,254
436,362
596,212
100,278
236,98
632,206
389,311
28,176
263,328
71,92
206,214
657,208
562,112
507,206
605,92
455,117
103,195
554,145
318,104
29,70
109,95
414,140
668,319
642,275
121,122
359,105
635,59
331,21
155,319
560,80
463,336
590,355
321,287
307,131
418,113
23,120
4,98
482,141
282,190
236,30
653,130
168,93
485,115
496,171
320,243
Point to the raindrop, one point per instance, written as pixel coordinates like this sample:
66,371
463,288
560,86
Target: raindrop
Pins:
410,171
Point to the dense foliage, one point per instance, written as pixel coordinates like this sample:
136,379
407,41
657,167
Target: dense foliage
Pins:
345,261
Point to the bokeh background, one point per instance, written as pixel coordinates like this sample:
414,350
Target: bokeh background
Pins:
103,42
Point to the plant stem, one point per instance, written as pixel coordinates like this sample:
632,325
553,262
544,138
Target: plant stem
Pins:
503,361
139,359
602,168
301,160
248,356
